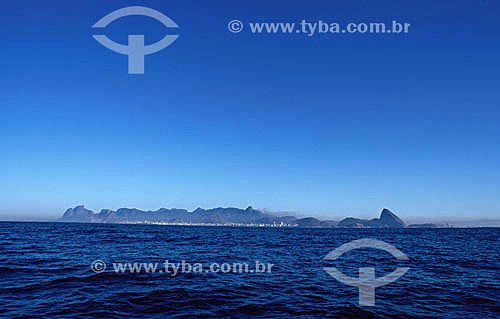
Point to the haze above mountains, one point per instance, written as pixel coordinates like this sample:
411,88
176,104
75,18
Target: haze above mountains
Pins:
228,216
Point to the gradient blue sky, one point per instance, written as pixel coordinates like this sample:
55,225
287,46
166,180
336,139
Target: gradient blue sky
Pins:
329,125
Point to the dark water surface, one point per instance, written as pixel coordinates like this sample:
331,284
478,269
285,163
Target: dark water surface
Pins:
45,272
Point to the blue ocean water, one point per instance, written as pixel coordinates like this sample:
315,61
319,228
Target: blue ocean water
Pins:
45,271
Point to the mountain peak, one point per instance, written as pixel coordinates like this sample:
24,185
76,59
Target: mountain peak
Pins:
78,213
387,219
390,219
387,212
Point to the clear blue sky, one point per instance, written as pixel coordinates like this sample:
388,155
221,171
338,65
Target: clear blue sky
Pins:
330,125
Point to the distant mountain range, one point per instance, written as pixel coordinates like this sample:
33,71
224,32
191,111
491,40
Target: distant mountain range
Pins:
227,216
387,219
217,216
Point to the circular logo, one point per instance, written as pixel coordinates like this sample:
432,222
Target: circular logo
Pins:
235,26
98,266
